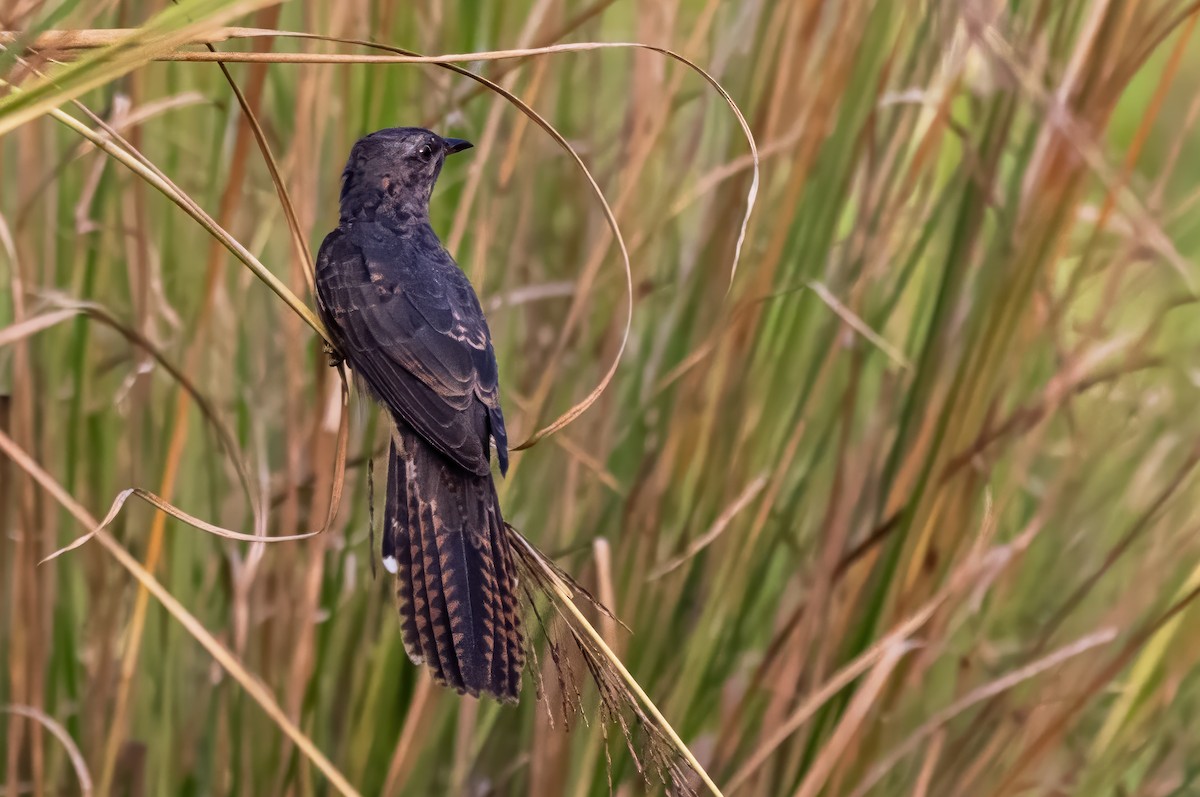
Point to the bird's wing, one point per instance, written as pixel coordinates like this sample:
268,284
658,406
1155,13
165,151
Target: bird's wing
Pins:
415,333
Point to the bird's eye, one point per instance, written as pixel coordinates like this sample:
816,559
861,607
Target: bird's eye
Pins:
425,152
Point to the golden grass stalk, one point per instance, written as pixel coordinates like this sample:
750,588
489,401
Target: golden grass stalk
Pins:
223,656
565,601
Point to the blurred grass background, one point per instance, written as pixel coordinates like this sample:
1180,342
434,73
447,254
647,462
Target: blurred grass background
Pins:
941,429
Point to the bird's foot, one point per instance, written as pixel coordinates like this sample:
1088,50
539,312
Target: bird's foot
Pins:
335,358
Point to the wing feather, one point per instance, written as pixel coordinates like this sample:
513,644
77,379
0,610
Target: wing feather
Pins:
406,300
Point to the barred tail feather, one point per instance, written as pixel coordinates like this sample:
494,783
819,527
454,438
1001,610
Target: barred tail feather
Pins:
411,592
398,555
439,614
456,590
508,630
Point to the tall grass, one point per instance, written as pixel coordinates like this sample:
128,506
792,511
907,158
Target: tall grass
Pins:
907,508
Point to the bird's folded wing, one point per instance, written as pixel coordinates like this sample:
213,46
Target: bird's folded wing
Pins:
422,347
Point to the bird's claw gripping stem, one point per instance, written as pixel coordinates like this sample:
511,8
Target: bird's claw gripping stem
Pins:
335,358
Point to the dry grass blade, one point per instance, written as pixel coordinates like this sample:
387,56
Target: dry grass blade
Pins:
299,241
254,687
843,678
33,325
202,218
64,738
129,121
1149,231
96,312
1039,746
860,326
974,571
707,538
619,690
976,696
856,714
178,514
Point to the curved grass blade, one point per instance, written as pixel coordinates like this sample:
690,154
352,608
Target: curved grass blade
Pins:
178,514
223,656
58,732
72,309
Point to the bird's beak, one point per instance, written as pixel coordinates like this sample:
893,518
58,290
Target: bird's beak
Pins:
454,145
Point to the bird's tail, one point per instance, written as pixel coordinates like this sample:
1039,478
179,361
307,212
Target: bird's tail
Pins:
444,538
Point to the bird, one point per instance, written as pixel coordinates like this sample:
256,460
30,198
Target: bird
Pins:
406,319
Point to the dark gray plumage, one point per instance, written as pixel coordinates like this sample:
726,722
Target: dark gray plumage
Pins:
407,320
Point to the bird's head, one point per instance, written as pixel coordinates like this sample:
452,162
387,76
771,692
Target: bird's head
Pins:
395,169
